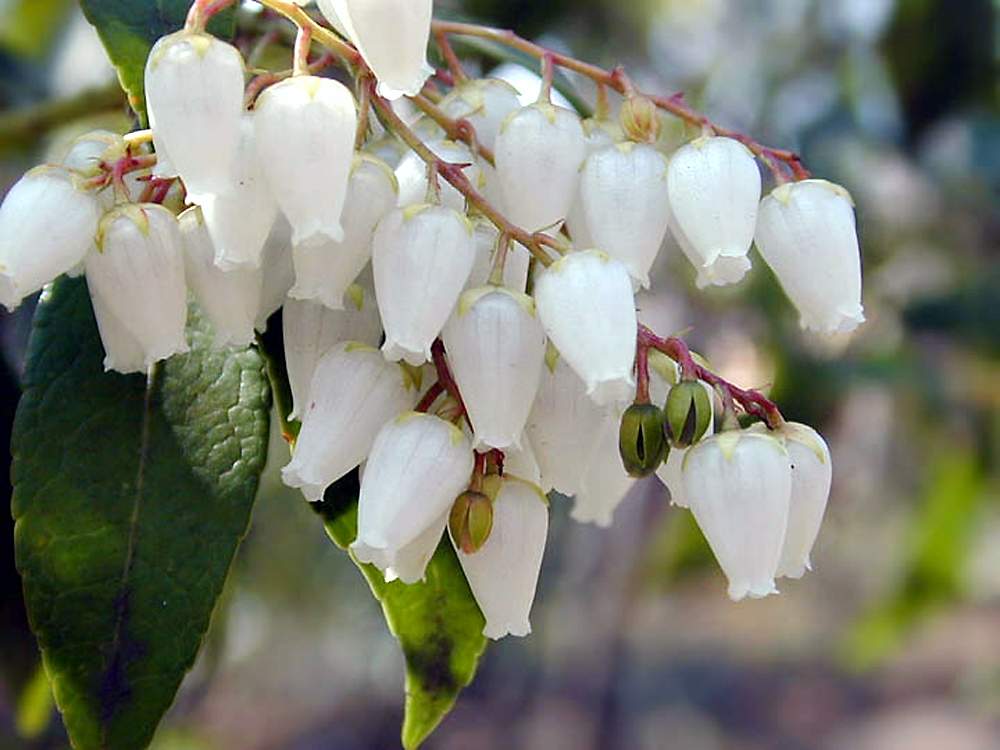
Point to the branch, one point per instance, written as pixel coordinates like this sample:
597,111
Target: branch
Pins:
753,402
617,79
455,176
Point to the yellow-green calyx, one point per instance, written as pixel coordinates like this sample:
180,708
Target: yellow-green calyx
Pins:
641,442
471,521
687,413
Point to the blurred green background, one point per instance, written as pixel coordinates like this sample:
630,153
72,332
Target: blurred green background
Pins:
894,640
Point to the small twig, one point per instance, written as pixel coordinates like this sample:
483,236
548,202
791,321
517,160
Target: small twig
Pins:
444,373
618,81
456,130
752,402
455,175
430,397
448,53
264,80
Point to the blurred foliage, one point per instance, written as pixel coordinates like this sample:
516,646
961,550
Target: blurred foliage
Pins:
936,556
30,26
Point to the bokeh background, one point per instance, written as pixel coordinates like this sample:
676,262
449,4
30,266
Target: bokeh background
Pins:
893,641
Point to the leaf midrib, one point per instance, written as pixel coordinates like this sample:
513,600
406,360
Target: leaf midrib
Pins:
133,532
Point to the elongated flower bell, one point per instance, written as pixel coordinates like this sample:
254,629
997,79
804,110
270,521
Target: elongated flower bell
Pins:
422,256
724,271
241,219
305,128
539,152
194,92
714,187
808,237
503,573
739,484
812,474
598,134
391,36
587,308
122,351
418,465
312,329
485,103
47,226
563,427
605,481
410,563
324,271
411,173
353,393
496,349
624,194
228,298
276,267
137,269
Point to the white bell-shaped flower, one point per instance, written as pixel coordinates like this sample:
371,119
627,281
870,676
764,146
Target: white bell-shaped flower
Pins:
714,189
486,235
229,299
812,475
277,270
47,226
496,348
605,482
391,36
312,329
808,237
539,152
305,129
194,93
624,193
411,173
354,391
417,466
122,351
563,427
87,152
723,272
324,271
485,103
587,308
503,573
599,134
521,463
137,269
739,484
410,563
241,219
422,256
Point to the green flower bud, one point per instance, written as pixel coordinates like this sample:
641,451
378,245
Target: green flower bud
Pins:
641,440
688,413
471,521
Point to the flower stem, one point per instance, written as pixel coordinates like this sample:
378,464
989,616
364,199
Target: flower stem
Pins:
455,175
448,53
618,80
445,377
457,130
753,402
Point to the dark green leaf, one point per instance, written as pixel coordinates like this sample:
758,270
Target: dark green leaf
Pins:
437,622
130,500
129,28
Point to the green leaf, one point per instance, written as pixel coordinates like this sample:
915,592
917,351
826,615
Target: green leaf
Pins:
129,28
437,622
130,500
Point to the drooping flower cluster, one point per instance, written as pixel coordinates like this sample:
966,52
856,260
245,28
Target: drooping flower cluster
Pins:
490,354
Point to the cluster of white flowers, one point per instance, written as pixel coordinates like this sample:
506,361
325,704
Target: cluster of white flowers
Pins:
286,212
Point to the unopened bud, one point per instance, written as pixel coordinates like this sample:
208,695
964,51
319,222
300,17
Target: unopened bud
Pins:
471,521
688,413
640,119
641,440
